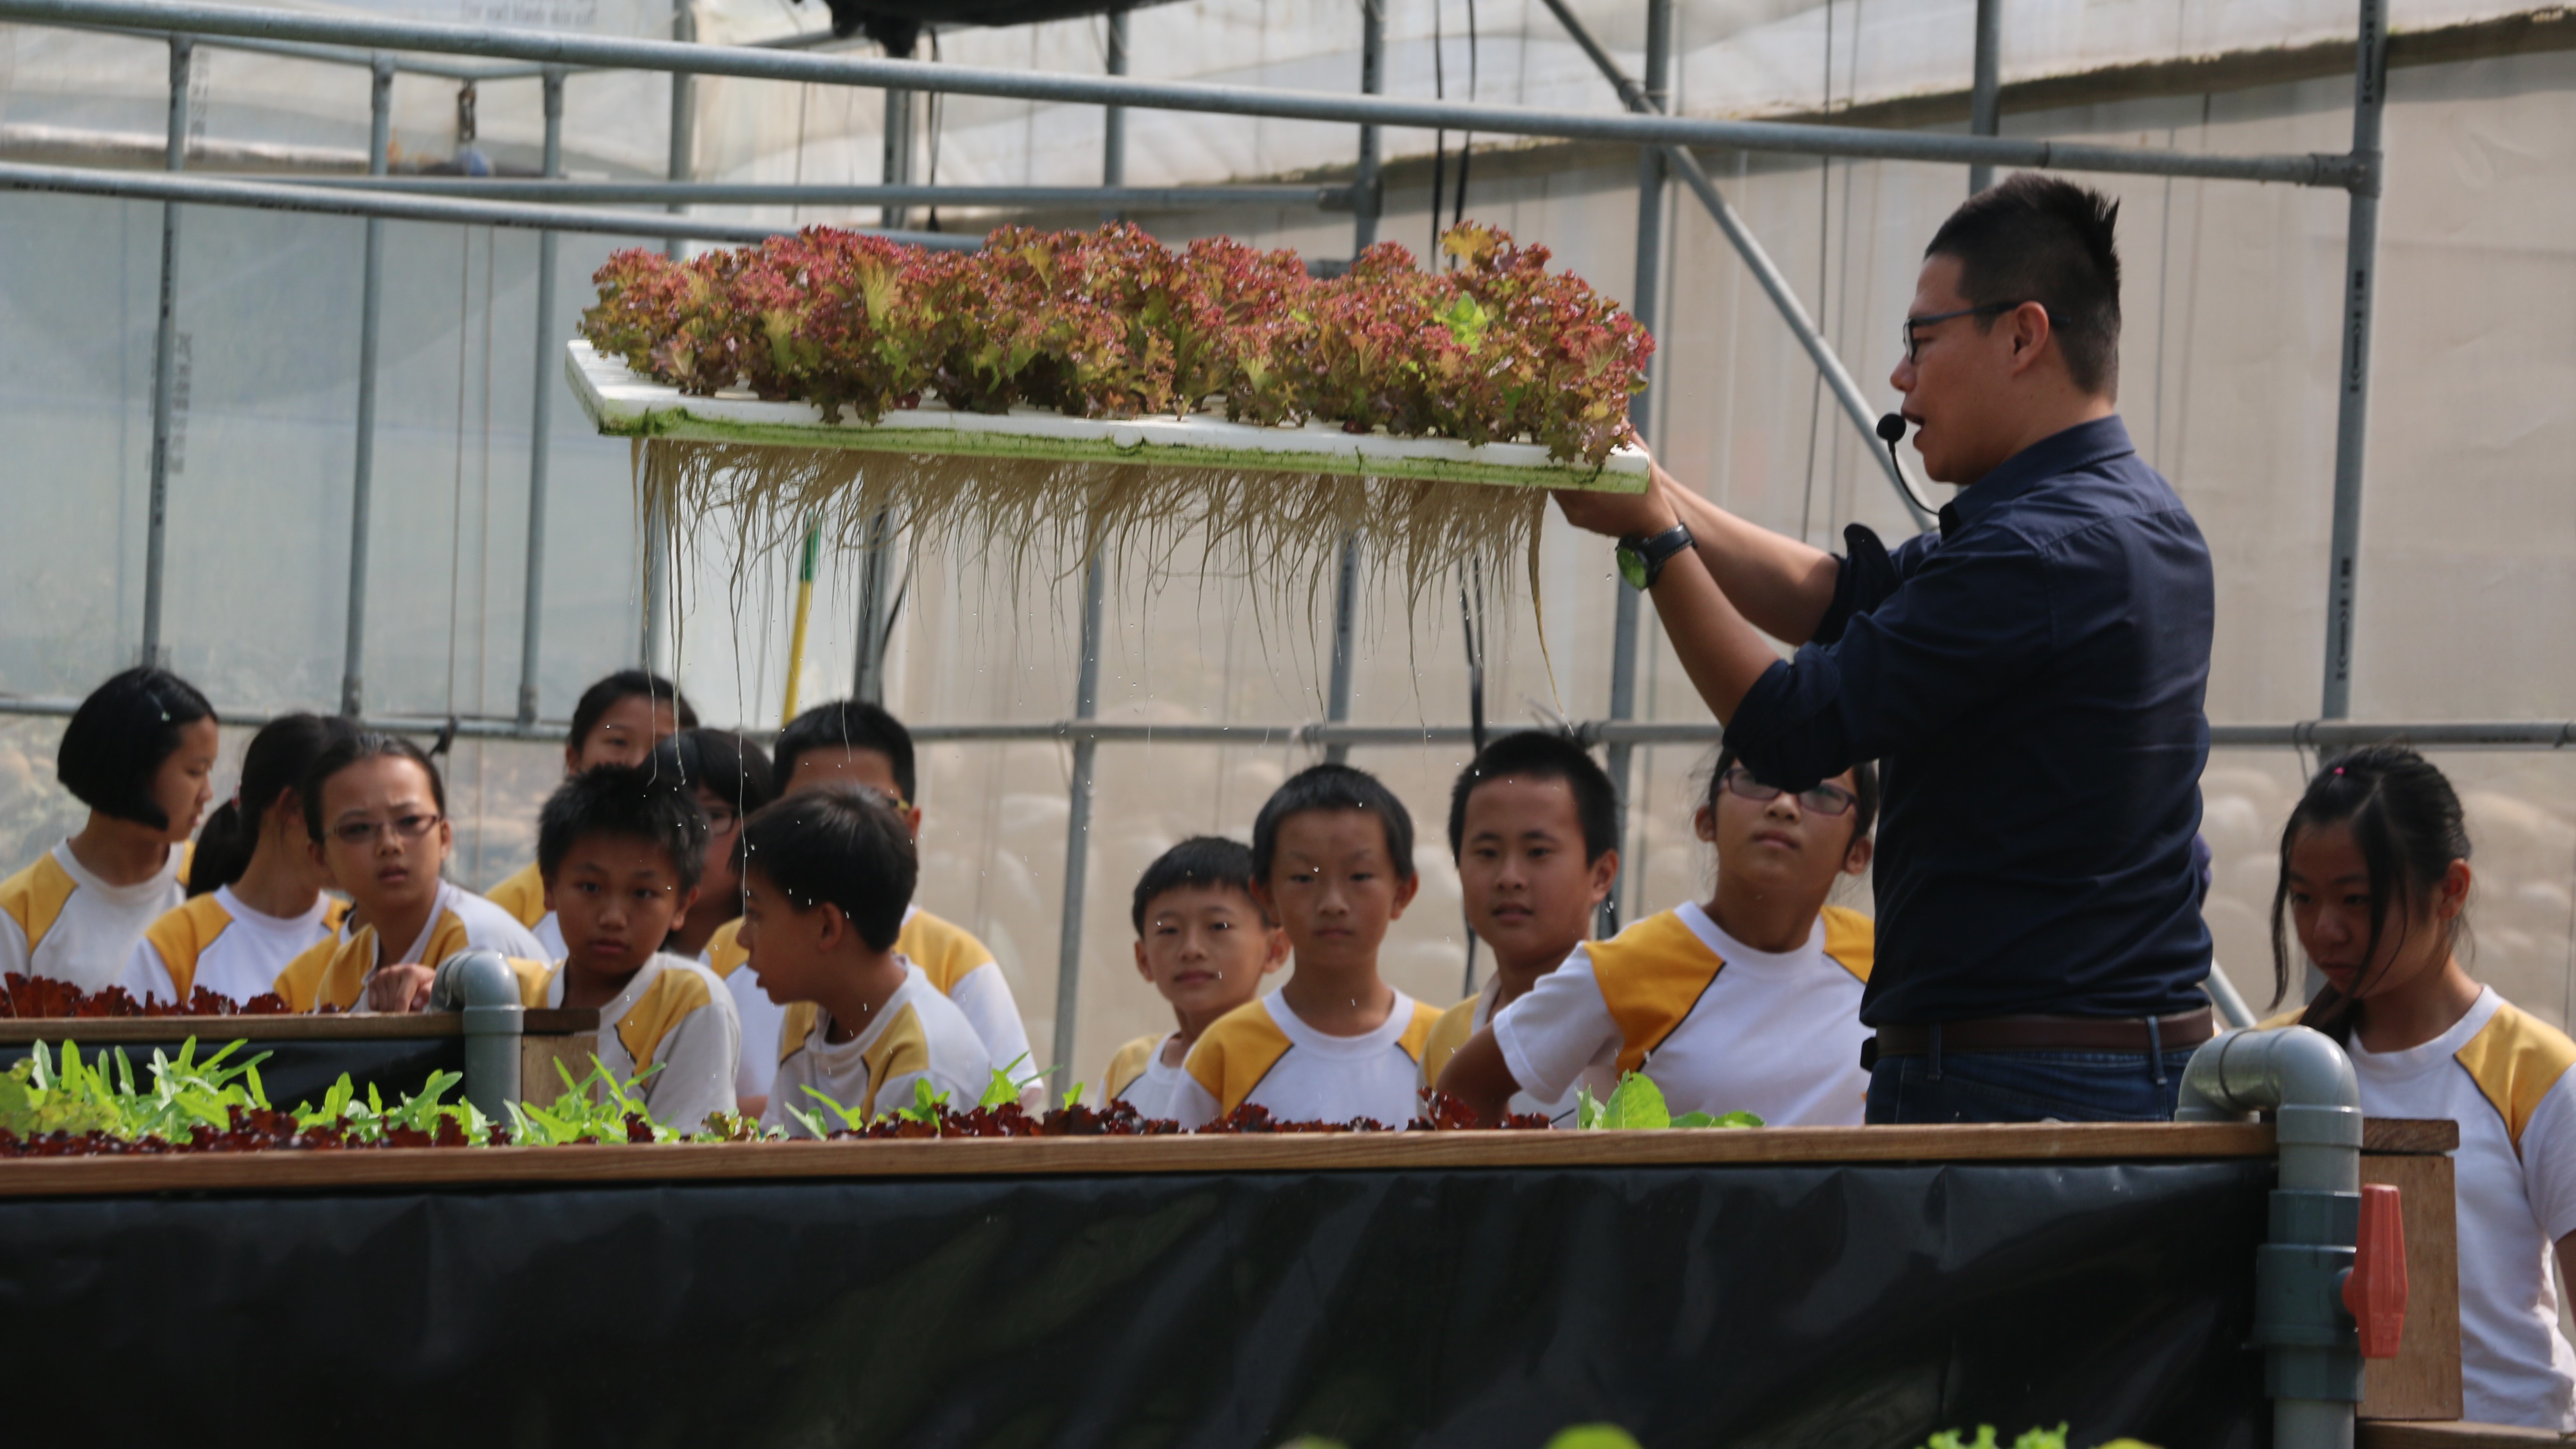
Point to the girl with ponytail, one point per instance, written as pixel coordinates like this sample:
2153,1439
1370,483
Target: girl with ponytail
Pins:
255,889
2375,880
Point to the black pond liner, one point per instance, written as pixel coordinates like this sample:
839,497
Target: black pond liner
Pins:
1851,1306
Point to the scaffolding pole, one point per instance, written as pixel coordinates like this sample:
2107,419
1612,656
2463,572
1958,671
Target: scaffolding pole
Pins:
541,408
2352,403
1985,91
1368,195
165,362
786,193
1077,832
353,657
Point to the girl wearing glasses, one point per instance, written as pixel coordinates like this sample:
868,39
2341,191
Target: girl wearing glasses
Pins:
255,887
377,813
1749,1003
140,753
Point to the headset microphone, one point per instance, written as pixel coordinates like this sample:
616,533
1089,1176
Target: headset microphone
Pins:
1891,431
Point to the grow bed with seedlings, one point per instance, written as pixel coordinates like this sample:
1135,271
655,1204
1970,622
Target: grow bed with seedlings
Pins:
1074,391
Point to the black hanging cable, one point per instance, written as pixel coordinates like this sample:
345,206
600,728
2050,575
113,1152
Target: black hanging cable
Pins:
1439,139
1466,140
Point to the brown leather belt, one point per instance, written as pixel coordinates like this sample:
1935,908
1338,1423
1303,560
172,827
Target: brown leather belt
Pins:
2050,1034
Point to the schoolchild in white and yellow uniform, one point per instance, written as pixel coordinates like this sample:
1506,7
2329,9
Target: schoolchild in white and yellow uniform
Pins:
853,742
2375,875
617,721
1204,944
1332,858
1534,828
621,847
1750,1003
256,885
830,871
378,809
140,753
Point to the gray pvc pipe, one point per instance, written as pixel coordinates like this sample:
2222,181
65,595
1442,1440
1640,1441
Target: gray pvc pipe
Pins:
2307,1081
482,985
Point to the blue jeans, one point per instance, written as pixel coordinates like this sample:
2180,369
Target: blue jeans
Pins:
1958,1086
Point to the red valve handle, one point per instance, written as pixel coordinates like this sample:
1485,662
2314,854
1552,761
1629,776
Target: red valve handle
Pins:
2374,1292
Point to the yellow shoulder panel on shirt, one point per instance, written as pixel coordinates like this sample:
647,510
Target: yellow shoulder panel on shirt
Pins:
663,1006
536,979
1233,1056
1651,974
34,897
1448,1034
310,980
1129,1064
725,954
335,915
794,1027
1851,941
945,952
2281,1019
1417,1032
902,1047
182,935
522,894
2515,1059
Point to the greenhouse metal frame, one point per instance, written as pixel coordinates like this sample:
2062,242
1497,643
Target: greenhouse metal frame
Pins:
552,205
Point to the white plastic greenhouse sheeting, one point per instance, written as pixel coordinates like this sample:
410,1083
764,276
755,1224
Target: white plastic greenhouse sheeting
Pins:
2468,572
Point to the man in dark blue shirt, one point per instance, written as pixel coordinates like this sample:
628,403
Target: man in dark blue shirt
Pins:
2030,678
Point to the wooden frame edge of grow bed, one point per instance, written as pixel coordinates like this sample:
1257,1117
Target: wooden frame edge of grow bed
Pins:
622,404
394,1168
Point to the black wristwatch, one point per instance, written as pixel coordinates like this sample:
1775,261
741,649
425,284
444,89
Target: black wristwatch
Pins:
1642,560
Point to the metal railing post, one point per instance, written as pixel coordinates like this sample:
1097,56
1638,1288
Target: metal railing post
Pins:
1645,296
165,360
541,408
1366,196
1985,92
380,124
1077,832
2352,406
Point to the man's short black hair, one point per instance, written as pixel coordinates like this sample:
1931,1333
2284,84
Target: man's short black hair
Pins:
1864,790
1201,860
626,684
2036,238
635,802
1332,787
1542,755
841,845
849,724
720,762
113,748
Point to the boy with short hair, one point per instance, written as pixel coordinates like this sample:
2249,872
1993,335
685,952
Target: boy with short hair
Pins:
621,848
617,721
852,742
1749,1003
1204,943
1332,863
1534,827
830,877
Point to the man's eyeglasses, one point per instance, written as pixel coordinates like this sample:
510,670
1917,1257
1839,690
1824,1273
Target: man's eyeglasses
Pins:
1914,339
1823,799
366,832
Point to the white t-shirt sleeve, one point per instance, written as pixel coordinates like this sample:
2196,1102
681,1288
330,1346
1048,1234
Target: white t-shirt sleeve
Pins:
2549,1159
762,1020
147,976
984,995
14,955
1560,1027
697,1060
786,1090
1193,1106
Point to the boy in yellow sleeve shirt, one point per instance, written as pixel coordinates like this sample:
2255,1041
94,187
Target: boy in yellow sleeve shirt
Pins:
1205,944
852,742
831,874
1534,827
1332,863
621,848
1750,1003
